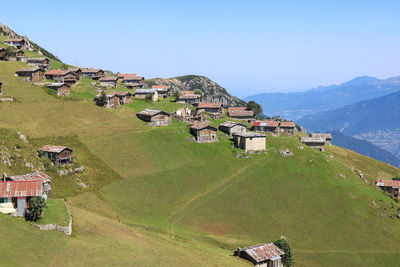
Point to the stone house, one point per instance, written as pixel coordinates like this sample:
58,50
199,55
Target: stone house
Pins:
18,43
94,74
108,81
249,141
390,186
62,76
15,195
35,74
35,176
265,255
231,127
327,136
241,113
155,117
2,53
133,81
203,132
287,127
39,62
59,155
142,93
162,90
62,89
20,55
266,126
315,142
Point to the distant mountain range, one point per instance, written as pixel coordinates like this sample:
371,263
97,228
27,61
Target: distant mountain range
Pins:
323,98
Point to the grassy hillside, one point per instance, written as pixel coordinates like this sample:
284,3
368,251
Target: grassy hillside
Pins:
152,197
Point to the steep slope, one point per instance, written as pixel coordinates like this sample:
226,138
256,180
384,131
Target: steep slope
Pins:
299,104
376,121
213,92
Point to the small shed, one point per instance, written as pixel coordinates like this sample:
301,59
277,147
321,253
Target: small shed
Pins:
266,126
108,81
35,74
250,141
265,255
315,142
189,98
241,113
390,186
59,155
230,127
155,117
94,74
35,176
287,127
203,132
62,89
2,53
39,62
62,76
77,71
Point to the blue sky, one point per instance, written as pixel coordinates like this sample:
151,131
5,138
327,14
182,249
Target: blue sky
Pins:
247,47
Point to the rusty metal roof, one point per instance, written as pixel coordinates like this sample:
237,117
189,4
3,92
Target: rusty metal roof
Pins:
388,183
35,176
21,189
312,140
55,149
286,124
266,123
264,252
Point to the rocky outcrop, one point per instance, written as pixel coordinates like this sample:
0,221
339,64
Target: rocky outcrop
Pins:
212,92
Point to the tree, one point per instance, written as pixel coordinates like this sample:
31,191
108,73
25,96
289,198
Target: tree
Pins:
176,94
102,99
255,107
36,206
287,258
149,97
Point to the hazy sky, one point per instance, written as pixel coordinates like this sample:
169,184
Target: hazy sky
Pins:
246,46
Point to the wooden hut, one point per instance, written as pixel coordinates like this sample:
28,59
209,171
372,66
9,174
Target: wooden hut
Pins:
39,62
155,117
265,255
315,142
266,126
193,99
203,132
230,127
77,71
209,107
327,136
241,113
35,74
94,74
62,89
133,81
18,43
59,155
108,81
390,186
287,127
162,90
115,99
35,176
20,55
62,76
142,93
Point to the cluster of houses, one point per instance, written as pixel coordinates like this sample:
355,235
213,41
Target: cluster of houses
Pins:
16,191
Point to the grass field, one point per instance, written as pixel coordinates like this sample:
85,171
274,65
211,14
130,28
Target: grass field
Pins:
151,197
55,212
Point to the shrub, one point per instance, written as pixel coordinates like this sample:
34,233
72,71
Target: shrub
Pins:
102,99
149,97
36,206
176,94
255,107
287,258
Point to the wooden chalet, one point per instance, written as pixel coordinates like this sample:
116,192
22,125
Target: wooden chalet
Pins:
265,255
15,195
62,76
94,74
35,74
108,81
77,71
203,132
327,136
62,89
133,81
155,117
390,186
121,76
142,93
162,90
59,155
315,142
39,62
189,97
231,127
287,127
266,126
20,55
241,113
115,99
35,176
2,53
18,43
209,107
250,141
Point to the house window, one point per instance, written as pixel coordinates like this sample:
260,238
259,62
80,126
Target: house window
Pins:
3,200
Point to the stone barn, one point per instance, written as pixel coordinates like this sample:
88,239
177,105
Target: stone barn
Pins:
265,255
203,132
59,155
94,74
287,127
241,113
108,81
230,127
155,117
315,142
250,141
62,76
266,126
62,89
35,74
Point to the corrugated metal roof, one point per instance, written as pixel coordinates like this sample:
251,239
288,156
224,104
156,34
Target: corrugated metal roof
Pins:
21,189
266,123
312,140
263,252
249,134
388,183
36,176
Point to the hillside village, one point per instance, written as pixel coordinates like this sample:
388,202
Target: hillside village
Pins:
241,133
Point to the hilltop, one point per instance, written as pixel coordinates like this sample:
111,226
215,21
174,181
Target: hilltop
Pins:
151,197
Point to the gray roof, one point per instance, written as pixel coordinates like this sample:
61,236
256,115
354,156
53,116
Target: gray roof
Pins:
321,135
312,140
152,112
53,85
231,124
249,134
145,91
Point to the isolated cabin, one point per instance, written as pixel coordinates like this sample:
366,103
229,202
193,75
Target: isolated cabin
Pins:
62,76
315,142
249,141
214,109
18,43
230,127
287,127
266,126
39,62
189,98
327,136
142,93
62,89
265,255
15,195
390,186
162,90
108,81
155,117
241,113
35,176
133,81
2,53
94,74
59,155
203,132
77,71
20,55
35,74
